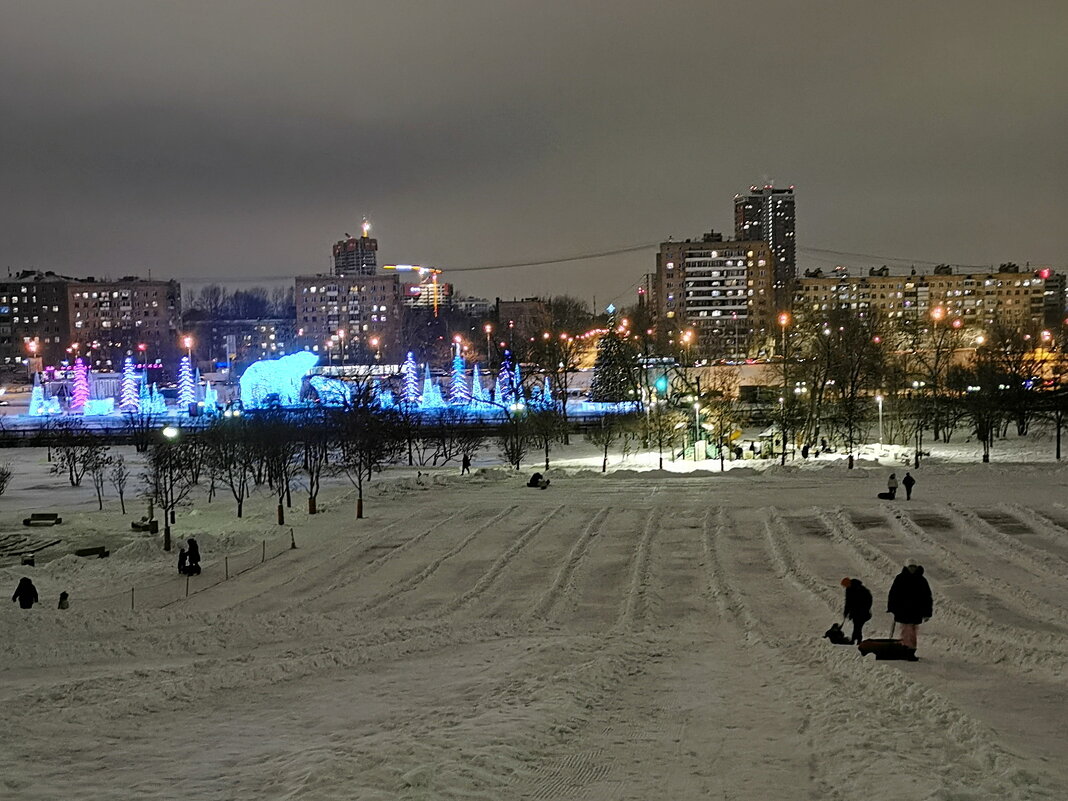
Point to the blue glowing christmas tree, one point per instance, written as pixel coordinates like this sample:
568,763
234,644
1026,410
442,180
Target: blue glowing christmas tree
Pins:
187,392
156,402
432,398
478,394
459,392
506,384
211,398
411,379
128,388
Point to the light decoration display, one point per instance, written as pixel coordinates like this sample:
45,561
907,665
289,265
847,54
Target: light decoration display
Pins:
128,394
187,392
411,379
79,393
432,398
478,394
276,380
97,407
157,404
331,391
211,398
505,378
459,392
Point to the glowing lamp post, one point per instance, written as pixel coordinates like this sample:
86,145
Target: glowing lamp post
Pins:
784,322
187,343
374,344
489,345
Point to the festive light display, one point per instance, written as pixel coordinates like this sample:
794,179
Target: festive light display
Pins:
79,392
211,398
187,392
157,404
478,394
331,391
276,380
411,379
459,392
96,407
128,396
432,398
505,378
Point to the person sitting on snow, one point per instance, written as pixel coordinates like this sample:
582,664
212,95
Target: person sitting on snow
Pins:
538,480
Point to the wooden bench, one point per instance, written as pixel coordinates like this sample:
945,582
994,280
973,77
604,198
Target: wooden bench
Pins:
151,526
42,519
99,551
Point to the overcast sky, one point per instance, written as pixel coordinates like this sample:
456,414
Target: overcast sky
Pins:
226,139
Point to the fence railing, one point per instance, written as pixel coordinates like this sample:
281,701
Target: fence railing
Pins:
212,573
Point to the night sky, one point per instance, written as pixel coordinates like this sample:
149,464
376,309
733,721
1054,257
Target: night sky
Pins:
221,139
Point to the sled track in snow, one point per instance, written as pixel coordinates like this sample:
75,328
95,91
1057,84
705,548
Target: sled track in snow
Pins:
981,522
487,579
1011,595
414,580
562,585
635,603
1053,533
928,719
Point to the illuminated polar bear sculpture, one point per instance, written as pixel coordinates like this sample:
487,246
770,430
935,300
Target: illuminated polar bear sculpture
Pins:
270,379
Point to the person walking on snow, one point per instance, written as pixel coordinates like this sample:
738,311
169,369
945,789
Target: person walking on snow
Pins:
908,482
465,464
910,603
857,606
891,486
25,593
194,557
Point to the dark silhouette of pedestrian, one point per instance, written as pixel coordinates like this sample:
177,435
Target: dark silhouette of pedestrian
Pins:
804,451
910,603
823,444
25,593
538,480
891,486
64,600
857,606
908,482
194,557
465,464
183,561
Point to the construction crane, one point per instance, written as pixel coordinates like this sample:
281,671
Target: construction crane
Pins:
424,273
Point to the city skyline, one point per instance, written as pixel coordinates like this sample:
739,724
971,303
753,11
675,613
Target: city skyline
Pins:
238,144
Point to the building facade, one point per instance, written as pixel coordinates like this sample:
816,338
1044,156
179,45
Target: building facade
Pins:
1015,300
521,319
714,297
235,343
350,317
59,318
356,255
766,214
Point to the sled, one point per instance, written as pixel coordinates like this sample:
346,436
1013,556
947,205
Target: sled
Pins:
886,648
885,496
836,635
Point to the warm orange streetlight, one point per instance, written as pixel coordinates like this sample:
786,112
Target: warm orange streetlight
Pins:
937,313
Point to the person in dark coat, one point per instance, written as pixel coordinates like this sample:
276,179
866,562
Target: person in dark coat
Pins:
25,593
908,482
538,480
857,606
910,602
194,557
465,464
64,600
183,561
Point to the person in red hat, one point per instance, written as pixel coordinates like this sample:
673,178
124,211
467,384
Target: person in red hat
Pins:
857,606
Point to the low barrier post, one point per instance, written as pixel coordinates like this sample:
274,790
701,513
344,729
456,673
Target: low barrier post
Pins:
263,557
187,586
131,598
226,566
292,541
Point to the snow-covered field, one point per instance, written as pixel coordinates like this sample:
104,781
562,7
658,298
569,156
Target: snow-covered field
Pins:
633,635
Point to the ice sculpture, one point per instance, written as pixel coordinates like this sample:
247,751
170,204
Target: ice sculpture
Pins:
276,380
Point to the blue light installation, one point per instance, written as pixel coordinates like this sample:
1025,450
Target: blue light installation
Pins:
331,391
432,398
478,394
276,380
459,392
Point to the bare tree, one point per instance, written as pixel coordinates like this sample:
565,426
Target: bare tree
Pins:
546,427
5,477
230,455
166,482
141,426
96,465
367,437
118,476
75,450
606,432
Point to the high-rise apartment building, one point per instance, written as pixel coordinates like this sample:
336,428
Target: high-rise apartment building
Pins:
356,255
59,318
1014,300
766,214
714,296
348,317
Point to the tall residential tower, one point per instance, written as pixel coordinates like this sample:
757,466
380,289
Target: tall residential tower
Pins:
357,255
766,214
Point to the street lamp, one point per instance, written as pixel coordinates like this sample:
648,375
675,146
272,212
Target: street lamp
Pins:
784,321
374,344
187,343
879,400
170,432
341,343
697,427
489,345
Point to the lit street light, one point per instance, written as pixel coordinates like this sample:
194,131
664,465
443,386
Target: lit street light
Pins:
879,400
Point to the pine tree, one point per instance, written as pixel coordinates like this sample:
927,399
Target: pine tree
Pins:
187,393
80,388
459,392
411,379
431,394
506,381
478,394
128,396
614,369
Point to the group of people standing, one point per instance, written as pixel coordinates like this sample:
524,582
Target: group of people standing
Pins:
189,558
908,482
26,595
909,601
